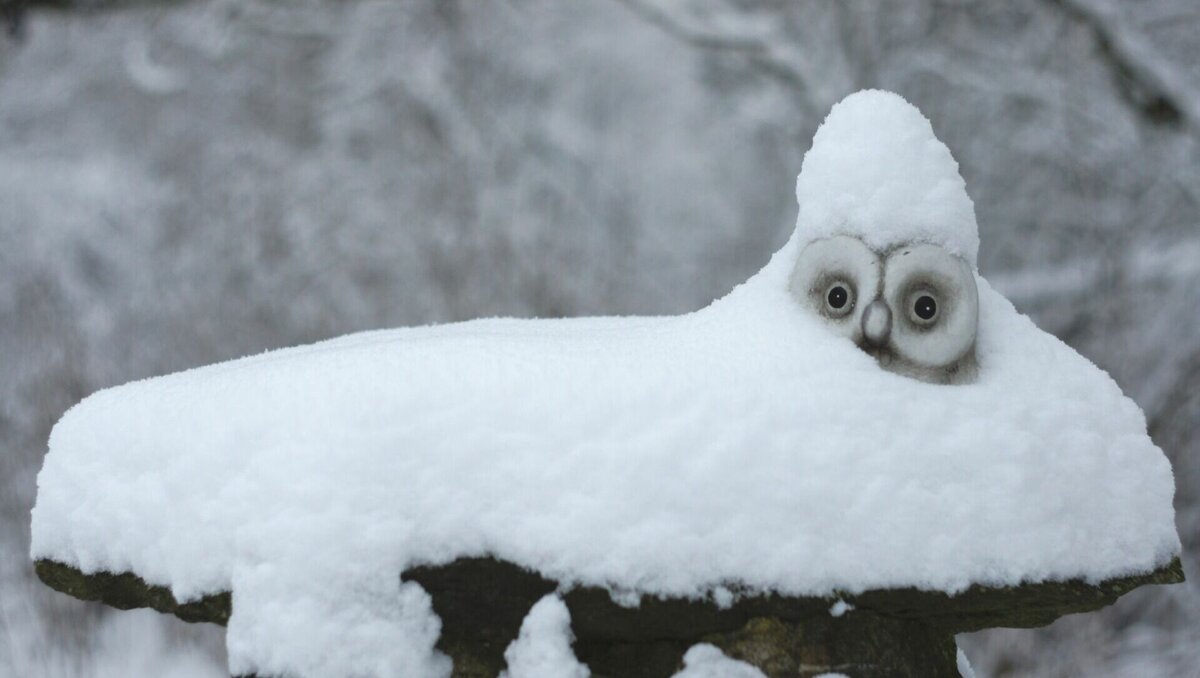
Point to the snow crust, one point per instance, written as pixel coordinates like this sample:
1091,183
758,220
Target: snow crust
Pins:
876,171
543,648
741,447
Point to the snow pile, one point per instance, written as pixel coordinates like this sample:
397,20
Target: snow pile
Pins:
707,661
740,446
543,650
877,172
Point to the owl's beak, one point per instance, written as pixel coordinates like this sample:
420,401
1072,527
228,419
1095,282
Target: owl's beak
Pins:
876,324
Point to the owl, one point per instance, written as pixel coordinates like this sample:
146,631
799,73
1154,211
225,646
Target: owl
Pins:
914,307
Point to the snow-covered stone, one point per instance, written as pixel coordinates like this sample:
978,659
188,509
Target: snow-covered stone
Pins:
741,447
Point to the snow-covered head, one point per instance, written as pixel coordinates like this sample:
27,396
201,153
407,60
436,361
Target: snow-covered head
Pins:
877,172
887,239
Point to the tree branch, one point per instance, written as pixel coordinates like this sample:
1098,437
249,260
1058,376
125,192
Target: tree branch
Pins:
1143,80
13,12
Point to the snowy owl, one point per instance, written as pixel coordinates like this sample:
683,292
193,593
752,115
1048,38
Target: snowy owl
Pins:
914,307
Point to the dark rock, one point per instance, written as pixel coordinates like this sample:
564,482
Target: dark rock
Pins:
127,591
481,601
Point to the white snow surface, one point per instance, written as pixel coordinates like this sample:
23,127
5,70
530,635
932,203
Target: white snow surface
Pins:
740,446
543,648
707,661
876,171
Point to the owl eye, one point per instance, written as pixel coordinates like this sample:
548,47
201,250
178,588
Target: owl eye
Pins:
839,298
936,304
828,277
923,308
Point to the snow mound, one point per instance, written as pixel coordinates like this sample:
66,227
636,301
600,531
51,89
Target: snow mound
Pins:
707,661
543,648
876,171
740,447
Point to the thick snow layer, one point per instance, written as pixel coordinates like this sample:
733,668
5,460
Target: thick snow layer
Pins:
543,648
707,661
739,447
876,171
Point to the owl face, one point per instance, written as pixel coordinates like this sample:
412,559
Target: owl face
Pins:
914,307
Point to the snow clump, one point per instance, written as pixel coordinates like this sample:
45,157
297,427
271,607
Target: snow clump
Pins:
877,172
707,661
543,648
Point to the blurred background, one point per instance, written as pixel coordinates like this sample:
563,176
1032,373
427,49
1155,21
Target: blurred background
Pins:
188,182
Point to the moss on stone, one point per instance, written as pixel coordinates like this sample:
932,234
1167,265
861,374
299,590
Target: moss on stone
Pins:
859,644
127,591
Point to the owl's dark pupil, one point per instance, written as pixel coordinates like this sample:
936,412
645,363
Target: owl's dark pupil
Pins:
925,307
838,296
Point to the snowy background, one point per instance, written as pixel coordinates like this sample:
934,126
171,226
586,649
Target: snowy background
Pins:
187,183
